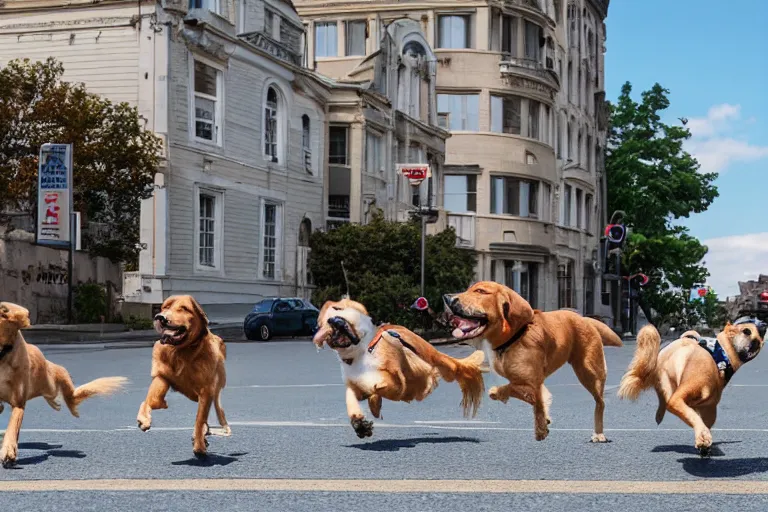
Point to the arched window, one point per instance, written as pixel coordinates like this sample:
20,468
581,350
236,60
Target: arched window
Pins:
271,125
305,230
306,143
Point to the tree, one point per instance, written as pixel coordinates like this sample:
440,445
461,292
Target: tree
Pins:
656,182
115,158
383,263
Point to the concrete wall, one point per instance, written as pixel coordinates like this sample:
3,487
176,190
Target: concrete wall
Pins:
35,276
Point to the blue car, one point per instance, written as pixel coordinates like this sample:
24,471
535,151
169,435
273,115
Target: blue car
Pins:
281,317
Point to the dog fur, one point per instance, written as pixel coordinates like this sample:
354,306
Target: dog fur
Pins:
398,369
26,374
191,360
530,345
685,376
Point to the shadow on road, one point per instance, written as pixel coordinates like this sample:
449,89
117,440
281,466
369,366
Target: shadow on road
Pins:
51,450
213,459
724,468
393,445
690,450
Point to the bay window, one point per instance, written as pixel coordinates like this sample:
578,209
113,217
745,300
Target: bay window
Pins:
458,112
509,35
533,119
505,114
453,31
514,196
567,191
460,193
532,41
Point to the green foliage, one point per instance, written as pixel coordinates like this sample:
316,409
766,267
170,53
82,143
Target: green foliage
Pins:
114,156
383,261
687,314
712,311
656,182
90,303
138,324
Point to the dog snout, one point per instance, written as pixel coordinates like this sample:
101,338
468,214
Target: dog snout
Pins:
451,300
161,318
336,322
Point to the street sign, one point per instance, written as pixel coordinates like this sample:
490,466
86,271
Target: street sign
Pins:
421,304
54,194
416,173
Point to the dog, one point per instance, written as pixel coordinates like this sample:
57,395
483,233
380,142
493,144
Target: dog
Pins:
530,345
189,359
390,362
26,374
689,374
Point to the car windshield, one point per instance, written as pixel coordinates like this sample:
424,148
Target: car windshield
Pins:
263,307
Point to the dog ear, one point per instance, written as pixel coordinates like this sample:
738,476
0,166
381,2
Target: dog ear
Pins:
356,306
321,315
17,315
515,311
199,311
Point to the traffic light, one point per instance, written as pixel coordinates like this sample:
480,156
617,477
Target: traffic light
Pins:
615,234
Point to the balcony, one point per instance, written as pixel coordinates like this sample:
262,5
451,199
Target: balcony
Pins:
530,74
464,225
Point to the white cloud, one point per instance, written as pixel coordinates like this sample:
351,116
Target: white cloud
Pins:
714,140
735,258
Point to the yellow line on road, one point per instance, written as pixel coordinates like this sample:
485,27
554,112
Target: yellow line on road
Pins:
754,487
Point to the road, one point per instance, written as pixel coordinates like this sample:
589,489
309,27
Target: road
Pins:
293,449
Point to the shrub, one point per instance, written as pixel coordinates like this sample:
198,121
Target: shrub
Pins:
90,303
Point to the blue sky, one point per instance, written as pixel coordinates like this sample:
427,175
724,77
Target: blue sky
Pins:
714,61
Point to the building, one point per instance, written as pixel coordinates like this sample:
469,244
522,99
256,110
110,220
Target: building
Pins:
383,112
520,86
244,127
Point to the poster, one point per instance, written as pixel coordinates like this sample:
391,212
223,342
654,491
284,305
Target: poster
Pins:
54,194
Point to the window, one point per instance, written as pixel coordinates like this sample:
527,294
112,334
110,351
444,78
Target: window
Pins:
579,100
271,125
589,153
272,24
588,213
459,111
337,151
569,142
559,140
533,119
579,141
567,205
513,196
355,44
574,30
558,12
505,114
373,153
579,208
326,40
211,5
306,143
208,221
453,32
570,82
523,278
546,203
530,158
565,285
460,194
509,35
269,230
207,87
532,41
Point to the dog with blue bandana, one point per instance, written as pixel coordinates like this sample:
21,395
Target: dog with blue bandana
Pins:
690,373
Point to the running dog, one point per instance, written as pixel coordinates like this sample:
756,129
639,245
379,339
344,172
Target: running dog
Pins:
390,362
689,374
189,359
530,345
26,374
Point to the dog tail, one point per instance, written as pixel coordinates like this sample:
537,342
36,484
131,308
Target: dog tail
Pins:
641,373
74,396
610,338
468,372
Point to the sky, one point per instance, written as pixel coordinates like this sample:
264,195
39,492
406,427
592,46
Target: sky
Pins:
714,61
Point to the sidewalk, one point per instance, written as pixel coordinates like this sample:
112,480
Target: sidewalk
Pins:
106,333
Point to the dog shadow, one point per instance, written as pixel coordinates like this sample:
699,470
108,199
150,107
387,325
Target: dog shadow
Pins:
394,445
690,450
212,460
51,450
724,468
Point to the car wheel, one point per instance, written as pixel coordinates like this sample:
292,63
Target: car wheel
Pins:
264,333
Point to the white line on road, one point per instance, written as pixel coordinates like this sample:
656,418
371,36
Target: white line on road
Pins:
697,487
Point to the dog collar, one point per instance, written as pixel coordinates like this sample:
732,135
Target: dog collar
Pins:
6,349
394,334
519,334
718,353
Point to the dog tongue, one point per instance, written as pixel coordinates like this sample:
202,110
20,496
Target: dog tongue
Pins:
457,333
462,327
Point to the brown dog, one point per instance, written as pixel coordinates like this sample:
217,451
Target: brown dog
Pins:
189,359
530,345
26,374
688,376
390,362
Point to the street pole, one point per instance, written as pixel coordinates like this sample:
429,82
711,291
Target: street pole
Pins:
70,264
423,249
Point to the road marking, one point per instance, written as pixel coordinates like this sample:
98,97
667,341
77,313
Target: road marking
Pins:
698,487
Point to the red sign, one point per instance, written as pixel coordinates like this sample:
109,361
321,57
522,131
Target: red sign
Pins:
702,292
421,304
414,171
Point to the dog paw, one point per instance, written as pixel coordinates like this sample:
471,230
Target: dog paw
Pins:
541,434
200,454
363,428
704,442
495,394
144,424
598,438
8,458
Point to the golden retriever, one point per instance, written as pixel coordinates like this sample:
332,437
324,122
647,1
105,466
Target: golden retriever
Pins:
530,345
189,359
689,374
26,374
390,362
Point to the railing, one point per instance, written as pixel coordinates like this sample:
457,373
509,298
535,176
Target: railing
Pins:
533,67
464,225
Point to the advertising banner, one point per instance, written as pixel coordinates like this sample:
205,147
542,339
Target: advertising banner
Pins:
54,194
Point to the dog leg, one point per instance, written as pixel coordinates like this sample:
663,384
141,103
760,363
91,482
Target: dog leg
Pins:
678,407
546,397
592,377
374,404
529,394
155,400
362,427
199,443
225,430
708,415
53,403
662,408
10,448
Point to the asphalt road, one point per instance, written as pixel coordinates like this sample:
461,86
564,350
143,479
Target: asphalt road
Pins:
293,449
